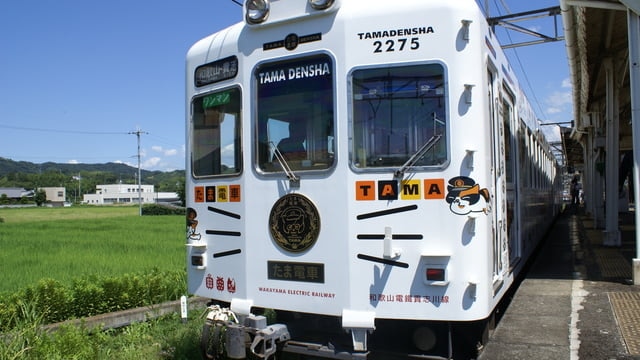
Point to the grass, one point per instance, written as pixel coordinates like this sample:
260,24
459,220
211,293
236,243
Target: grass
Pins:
163,338
67,243
79,242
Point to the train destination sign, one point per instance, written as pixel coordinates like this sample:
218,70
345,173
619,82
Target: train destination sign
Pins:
295,271
216,99
219,70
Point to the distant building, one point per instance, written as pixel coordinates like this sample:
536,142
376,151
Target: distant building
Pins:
56,196
16,193
119,194
127,194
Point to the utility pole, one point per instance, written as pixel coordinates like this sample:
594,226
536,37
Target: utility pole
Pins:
137,133
79,187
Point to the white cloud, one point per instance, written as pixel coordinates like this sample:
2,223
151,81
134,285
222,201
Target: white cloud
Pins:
157,163
551,133
166,152
151,162
559,101
73,162
128,163
566,83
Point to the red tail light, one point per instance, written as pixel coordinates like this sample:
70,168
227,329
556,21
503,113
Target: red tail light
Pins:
435,274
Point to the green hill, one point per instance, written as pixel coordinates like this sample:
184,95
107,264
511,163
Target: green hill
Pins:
31,175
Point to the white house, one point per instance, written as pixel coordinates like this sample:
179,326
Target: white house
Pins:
128,194
120,193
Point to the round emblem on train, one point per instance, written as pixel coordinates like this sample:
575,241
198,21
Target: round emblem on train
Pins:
291,41
294,223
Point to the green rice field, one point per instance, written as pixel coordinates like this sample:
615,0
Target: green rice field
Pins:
73,242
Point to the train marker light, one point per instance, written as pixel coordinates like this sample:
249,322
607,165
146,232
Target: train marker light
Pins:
197,261
434,269
435,274
257,11
321,4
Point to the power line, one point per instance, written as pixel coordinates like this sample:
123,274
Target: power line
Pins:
504,5
163,140
522,68
62,131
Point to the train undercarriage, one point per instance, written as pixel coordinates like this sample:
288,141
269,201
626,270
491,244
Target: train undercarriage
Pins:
226,335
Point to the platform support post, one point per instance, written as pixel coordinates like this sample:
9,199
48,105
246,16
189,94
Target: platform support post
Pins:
633,24
612,163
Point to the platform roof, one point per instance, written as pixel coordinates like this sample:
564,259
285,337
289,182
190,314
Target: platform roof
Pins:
596,30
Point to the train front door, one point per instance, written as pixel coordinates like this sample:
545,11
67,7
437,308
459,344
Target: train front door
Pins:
510,155
500,235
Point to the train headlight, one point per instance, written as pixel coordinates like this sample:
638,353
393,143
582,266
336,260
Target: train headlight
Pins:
321,4
424,338
257,11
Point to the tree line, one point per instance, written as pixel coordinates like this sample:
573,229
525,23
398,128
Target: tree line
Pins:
80,179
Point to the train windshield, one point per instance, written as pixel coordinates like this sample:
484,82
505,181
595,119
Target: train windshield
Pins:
215,134
399,117
295,119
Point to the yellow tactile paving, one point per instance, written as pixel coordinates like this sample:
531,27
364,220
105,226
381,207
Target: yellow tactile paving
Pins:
612,264
626,307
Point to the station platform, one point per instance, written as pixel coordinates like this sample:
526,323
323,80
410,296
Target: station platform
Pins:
577,299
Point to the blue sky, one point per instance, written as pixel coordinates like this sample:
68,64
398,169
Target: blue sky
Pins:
542,69
77,76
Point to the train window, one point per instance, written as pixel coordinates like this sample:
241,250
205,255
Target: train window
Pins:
295,123
396,111
507,113
523,159
215,134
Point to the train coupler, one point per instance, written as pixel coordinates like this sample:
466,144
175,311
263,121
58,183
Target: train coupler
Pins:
265,341
227,336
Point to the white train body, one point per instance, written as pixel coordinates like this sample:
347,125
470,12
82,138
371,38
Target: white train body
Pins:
356,230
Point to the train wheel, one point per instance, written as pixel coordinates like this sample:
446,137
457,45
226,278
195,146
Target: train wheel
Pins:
212,340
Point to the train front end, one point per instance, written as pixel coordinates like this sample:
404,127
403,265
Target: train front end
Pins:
339,178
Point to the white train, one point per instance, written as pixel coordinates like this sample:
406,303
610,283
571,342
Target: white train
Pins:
364,179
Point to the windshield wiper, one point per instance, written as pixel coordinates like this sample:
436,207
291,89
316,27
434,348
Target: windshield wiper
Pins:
294,180
423,149
417,155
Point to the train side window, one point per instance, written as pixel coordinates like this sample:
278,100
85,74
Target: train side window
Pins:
215,134
395,111
295,114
